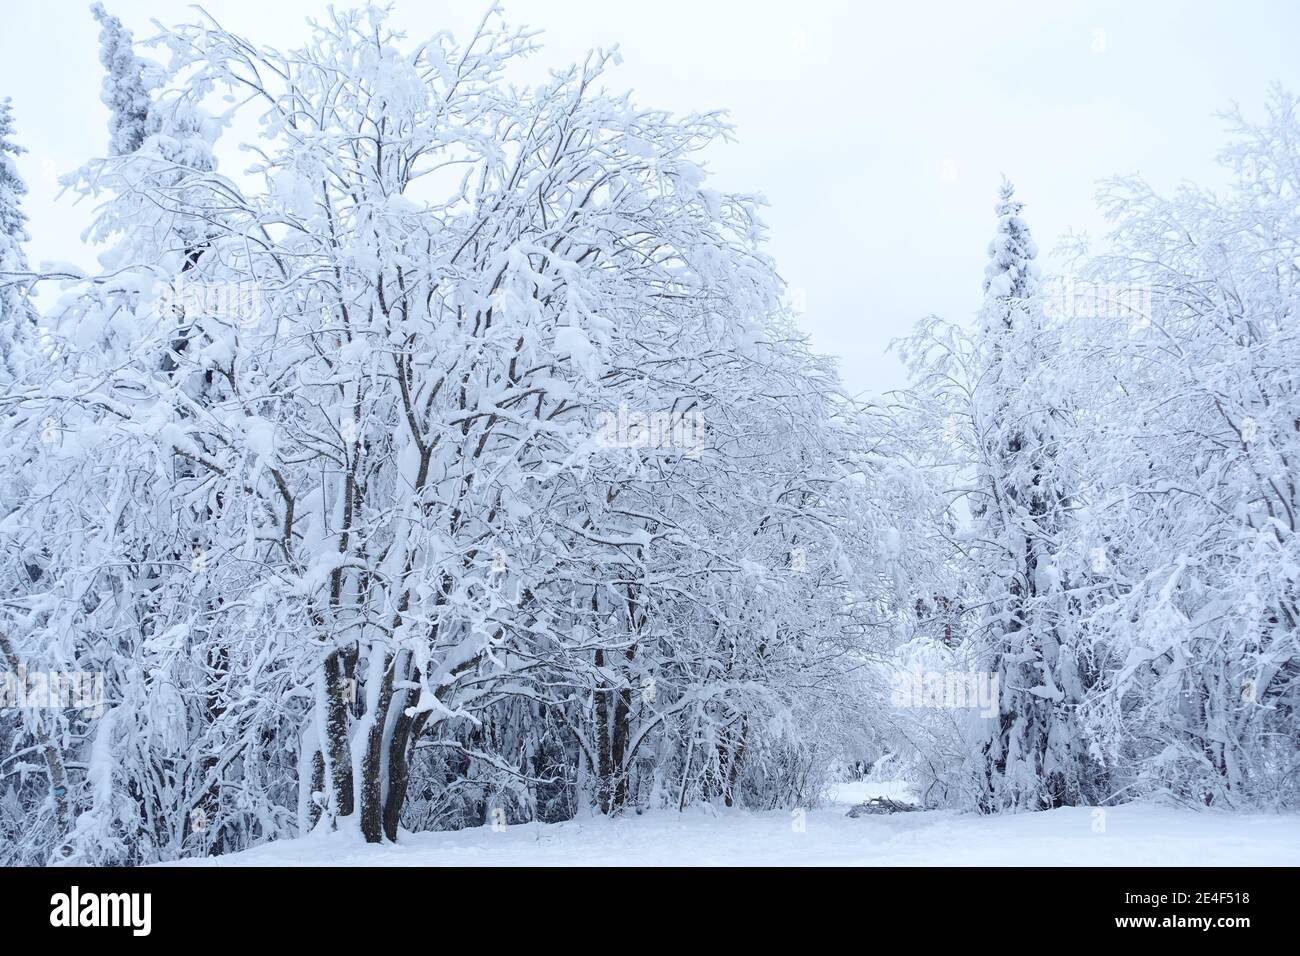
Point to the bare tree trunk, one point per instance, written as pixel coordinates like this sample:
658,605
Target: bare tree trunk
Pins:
400,748
339,760
372,782
733,770
618,748
53,755
686,773
604,768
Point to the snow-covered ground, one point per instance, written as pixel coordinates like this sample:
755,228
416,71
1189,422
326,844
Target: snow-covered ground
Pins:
1133,835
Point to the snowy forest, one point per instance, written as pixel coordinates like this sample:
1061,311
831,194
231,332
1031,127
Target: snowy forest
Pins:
447,453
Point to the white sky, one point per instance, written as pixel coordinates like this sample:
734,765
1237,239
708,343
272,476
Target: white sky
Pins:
877,130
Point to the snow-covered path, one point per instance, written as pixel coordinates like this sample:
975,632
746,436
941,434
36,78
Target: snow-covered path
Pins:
1133,835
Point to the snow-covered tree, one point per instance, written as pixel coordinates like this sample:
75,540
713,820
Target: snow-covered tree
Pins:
125,88
1195,462
22,735
459,463
17,318
1033,754
998,412
507,477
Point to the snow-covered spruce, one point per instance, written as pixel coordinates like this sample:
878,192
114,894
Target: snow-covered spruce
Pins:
17,317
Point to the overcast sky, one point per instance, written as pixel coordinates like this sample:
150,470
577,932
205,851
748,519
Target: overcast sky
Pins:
877,131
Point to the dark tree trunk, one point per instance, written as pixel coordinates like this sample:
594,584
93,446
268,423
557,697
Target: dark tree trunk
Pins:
405,734
618,749
372,781
604,769
737,755
339,760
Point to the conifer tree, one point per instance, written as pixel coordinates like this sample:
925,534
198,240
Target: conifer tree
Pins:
124,90
1032,757
16,314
